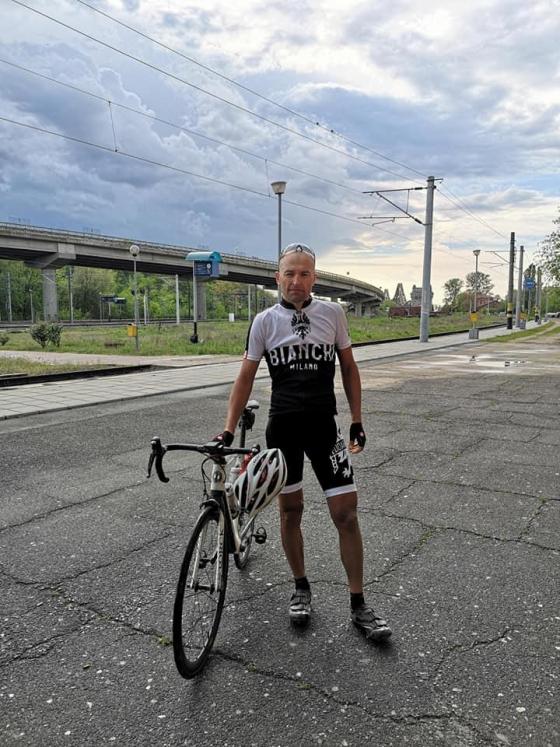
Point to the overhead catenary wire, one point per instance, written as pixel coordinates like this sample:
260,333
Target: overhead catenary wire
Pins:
458,204
223,100
177,126
245,88
179,170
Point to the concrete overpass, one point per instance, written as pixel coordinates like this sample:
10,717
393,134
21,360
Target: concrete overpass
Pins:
47,250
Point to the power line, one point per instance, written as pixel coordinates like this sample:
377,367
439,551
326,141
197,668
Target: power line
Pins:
152,162
178,127
208,93
457,203
287,109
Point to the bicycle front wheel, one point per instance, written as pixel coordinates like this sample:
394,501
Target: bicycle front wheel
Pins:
201,591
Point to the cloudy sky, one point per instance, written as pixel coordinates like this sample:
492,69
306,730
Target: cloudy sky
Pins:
177,115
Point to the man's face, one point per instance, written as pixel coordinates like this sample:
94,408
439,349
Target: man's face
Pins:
295,277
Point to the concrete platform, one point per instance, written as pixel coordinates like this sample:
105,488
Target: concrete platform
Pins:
184,373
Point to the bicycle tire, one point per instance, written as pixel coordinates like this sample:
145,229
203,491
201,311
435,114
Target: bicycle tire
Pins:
242,558
201,591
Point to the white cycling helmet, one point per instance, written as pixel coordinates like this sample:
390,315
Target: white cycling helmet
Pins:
264,478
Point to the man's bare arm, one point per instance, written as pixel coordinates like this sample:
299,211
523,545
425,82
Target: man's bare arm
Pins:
240,393
353,389
352,383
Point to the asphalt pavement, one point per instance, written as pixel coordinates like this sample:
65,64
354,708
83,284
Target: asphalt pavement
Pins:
460,513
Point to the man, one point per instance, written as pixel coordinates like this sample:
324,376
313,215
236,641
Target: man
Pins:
299,338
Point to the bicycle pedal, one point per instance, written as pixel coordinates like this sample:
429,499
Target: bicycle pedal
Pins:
260,536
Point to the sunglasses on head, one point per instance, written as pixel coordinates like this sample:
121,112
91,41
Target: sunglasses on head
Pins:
294,248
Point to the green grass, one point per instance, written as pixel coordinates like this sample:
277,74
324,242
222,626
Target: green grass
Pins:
544,330
550,329
383,328
34,368
226,338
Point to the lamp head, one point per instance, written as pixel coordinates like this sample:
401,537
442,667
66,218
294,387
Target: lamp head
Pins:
278,187
476,252
134,250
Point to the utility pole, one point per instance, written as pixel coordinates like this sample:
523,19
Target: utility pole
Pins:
248,302
177,306
426,286
510,283
9,293
519,299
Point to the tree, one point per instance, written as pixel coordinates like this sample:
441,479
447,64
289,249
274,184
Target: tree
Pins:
26,290
452,288
483,286
463,302
548,255
88,284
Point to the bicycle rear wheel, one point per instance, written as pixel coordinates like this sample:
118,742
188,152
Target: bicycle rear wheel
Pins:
201,590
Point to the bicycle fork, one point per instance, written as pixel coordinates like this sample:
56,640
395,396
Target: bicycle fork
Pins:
215,559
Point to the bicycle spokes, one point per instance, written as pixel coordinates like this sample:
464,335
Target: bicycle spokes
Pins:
200,594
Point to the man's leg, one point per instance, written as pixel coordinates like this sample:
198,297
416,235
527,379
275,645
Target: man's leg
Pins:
291,510
344,515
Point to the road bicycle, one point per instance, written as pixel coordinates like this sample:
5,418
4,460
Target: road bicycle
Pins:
224,526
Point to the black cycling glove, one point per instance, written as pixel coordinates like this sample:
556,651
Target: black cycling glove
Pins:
225,437
357,435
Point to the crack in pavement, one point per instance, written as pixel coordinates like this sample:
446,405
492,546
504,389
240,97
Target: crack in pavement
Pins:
445,528
406,718
544,502
42,648
391,497
460,648
78,504
100,566
424,538
463,485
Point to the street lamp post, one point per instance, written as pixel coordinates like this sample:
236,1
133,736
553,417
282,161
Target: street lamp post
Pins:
279,188
135,251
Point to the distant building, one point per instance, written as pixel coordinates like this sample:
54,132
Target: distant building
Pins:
485,301
416,296
412,307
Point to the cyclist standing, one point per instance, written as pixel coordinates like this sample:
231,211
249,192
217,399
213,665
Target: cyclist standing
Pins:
299,338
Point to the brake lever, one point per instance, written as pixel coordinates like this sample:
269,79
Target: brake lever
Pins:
158,452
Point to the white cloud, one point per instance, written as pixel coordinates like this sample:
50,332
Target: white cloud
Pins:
467,92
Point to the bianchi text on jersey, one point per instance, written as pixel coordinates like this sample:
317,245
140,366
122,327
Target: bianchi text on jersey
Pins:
300,350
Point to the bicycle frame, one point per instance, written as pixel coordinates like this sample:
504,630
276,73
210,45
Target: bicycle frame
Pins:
221,496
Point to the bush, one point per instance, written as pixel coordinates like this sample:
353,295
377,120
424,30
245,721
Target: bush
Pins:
40,333
45,334
54,333
3,338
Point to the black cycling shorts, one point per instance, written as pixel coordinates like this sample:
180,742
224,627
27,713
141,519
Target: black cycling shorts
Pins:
318,437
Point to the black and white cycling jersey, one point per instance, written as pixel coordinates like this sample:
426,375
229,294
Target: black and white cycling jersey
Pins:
300,351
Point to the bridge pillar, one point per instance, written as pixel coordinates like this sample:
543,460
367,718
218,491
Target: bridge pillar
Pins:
358,309
50,296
